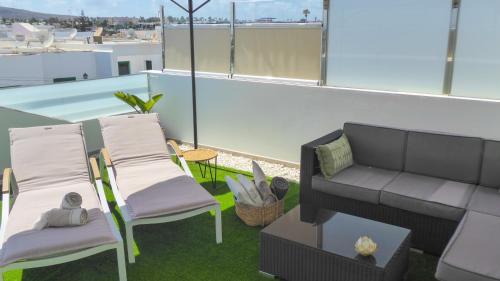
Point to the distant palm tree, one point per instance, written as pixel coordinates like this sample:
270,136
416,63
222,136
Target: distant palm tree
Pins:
306,13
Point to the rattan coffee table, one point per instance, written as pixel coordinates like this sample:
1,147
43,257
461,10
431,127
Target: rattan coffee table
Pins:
292,249
202,157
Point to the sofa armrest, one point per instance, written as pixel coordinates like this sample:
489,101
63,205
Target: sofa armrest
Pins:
309,165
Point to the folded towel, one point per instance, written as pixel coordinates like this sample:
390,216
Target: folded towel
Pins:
279,186
262,186
265,192
258,174
62,218
239,191
251,190
71,200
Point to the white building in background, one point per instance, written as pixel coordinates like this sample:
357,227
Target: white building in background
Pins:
26,63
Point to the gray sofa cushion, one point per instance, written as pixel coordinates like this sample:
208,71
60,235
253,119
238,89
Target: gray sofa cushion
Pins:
377,146
490,172
356,182
473,253
429,196
444,156
485,200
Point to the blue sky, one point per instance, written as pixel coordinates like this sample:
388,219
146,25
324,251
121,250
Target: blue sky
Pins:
246,9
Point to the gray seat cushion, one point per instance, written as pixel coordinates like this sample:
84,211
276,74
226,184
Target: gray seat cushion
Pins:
356,182
485,200
473,253
490,172
377,146
429,196
444,156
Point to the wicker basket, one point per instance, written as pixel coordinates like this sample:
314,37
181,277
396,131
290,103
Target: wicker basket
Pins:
260,216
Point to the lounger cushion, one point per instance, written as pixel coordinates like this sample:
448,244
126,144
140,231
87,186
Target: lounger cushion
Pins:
377,146
357,182
473,252
444,156
22,242
490,172
134,139
159,188
427,195
485,200
43,157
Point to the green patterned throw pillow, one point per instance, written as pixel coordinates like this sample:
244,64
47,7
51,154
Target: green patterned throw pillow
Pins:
335,156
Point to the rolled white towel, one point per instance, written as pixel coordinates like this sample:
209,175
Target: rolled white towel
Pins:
71,200
261,183
62,218
258,174
251,190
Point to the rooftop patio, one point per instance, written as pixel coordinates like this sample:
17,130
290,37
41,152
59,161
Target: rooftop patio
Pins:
419,77
187,251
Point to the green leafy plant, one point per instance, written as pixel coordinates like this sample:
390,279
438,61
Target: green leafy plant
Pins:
138,104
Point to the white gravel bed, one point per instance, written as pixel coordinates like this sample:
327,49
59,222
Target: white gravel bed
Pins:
245,164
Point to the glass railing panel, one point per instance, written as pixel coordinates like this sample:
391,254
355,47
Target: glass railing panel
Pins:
477,56
389,44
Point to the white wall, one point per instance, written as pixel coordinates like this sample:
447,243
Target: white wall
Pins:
68,64
137,54
42,68
98,61
274,120
21,70
138,62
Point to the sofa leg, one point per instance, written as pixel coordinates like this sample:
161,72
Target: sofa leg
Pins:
218,224
130,243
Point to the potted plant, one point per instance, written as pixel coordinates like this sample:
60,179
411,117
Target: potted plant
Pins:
139,105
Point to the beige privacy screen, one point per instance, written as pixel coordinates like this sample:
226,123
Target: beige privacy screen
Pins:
289,51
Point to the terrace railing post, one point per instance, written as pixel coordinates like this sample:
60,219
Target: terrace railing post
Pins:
452,46
232,40
324,43
162,18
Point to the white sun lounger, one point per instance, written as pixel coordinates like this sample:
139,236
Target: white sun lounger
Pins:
148,186
47,163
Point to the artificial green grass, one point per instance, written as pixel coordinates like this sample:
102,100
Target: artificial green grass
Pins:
186,250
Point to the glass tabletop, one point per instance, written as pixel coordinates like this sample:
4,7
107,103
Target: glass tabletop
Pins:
337,233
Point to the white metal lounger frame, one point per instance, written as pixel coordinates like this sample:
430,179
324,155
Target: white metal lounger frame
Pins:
72,256
130,222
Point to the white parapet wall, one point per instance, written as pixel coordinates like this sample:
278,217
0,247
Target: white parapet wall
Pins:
273,119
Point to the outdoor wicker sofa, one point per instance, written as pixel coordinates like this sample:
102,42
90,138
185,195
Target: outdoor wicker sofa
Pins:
443,187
